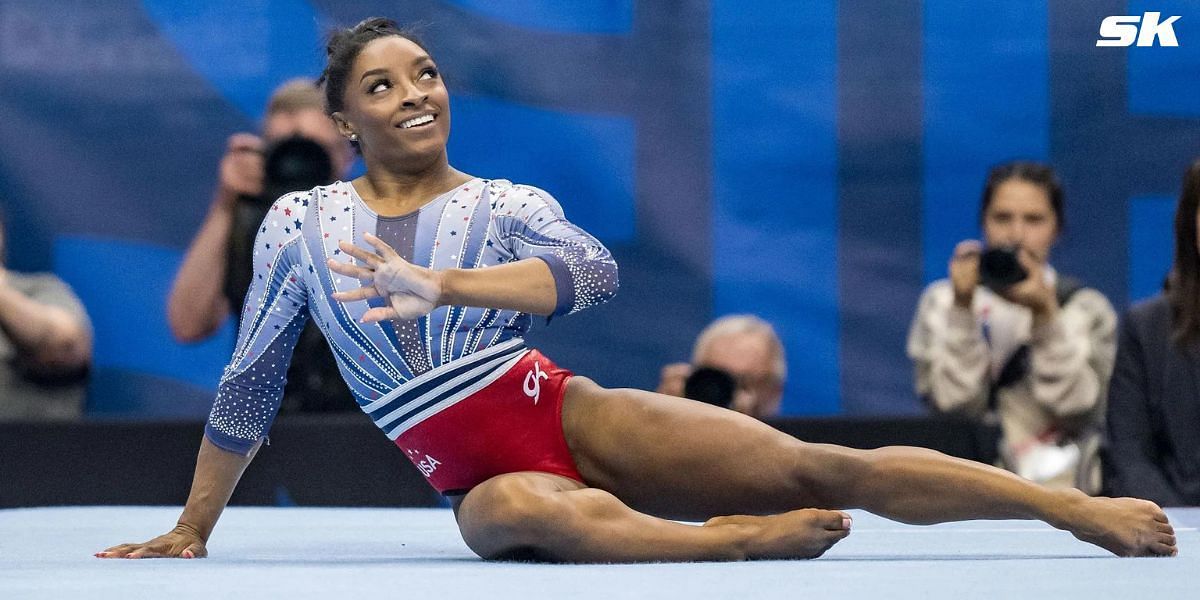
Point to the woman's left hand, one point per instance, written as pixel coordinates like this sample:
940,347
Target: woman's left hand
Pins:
1033,291
411,291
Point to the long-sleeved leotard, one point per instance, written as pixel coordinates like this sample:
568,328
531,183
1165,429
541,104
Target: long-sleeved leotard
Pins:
401,372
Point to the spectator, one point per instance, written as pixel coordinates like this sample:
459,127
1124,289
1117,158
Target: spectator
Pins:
1036,354
215,274
45,346
1154,401
747,349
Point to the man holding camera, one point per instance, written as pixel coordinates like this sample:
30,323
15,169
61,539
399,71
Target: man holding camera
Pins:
299,149
737,363
1008,339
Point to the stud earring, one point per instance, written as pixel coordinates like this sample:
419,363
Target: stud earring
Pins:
354,137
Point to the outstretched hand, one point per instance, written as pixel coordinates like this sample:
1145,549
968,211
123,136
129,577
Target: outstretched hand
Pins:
181,542
411,291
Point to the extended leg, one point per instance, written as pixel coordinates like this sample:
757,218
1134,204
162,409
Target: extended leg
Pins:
539,516
673,457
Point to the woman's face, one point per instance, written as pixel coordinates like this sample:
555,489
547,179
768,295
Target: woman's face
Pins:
395,103
1020,214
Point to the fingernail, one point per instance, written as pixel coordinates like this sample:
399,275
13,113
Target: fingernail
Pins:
188,554
846,521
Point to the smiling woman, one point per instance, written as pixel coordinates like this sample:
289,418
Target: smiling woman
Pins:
424,280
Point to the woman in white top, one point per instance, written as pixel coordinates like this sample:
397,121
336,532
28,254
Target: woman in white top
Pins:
1035,355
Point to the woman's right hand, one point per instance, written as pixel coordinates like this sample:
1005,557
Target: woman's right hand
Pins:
964,271
181,542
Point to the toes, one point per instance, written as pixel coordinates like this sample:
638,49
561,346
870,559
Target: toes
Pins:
1159,515
835,520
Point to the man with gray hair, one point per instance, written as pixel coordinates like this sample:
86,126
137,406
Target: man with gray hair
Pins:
747,349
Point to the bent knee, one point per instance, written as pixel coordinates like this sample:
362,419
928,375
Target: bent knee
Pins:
503,517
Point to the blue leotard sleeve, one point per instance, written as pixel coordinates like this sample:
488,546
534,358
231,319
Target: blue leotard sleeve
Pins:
530,223
273,316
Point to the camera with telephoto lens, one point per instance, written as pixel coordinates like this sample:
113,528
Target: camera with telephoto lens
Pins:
293,164
1000,269
711,386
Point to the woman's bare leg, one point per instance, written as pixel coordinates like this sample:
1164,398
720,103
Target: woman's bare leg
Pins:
539,516
681,459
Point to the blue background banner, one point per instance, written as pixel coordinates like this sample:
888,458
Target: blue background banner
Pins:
812,162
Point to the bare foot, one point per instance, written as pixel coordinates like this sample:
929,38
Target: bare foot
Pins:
1124,526
805,533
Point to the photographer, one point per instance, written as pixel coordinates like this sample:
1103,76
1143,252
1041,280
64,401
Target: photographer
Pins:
1007,338
299,148
737,362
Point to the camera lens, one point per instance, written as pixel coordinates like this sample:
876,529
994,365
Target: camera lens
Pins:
999,268
711,386
294,164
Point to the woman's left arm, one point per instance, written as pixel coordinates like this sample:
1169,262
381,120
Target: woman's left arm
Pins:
554,268
525,285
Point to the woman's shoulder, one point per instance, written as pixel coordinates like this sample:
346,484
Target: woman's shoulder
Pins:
505,186
530,197
298,202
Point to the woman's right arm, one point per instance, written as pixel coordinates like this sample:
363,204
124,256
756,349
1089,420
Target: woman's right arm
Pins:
251,388
217,474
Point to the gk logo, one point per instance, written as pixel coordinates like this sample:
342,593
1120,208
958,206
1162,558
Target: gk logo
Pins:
1121,30
533,387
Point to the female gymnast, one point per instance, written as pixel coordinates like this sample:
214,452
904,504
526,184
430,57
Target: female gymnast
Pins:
424,279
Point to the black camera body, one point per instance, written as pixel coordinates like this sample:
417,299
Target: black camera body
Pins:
1000,269
711,386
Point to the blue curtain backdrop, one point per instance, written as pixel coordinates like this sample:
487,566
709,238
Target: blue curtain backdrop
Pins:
811,162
